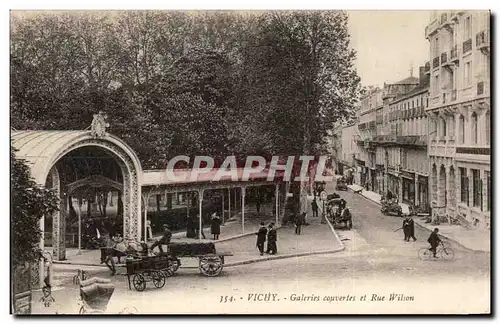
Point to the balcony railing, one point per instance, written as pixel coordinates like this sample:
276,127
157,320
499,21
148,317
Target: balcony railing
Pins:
444,58
467,45
454,53
480,88
435,62
453,95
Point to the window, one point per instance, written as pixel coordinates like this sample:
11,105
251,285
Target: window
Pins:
443,127
487,127
436,84
467,74
488,191
477,186
464,185
427,104
461,129
473,130
468,28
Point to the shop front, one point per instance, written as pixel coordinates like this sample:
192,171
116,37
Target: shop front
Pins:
393,184
423,192
408,180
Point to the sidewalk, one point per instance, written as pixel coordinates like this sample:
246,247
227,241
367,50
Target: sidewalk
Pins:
472,239
373,196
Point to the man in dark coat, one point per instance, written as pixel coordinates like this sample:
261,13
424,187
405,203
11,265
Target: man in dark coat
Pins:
298,223
165,240
314,206
406,229
411,229
434,241
261,237
215,226
272,237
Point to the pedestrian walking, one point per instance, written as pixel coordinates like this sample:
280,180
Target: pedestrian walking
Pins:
298,223
261,238
215,227
406,229
165,240
314,206
272,237
411,229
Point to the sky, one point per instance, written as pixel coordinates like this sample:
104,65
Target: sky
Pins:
388,43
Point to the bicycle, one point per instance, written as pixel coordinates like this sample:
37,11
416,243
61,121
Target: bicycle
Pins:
444,252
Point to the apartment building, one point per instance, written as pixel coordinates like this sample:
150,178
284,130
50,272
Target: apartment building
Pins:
370,104
408,175
459,114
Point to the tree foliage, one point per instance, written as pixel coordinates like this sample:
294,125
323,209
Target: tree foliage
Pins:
213,83
29,204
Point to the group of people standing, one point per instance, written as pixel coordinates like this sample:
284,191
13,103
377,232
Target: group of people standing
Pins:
271,235
409,229
193,226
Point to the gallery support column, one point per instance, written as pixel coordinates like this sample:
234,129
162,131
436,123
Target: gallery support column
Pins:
243,190
277,193
200,206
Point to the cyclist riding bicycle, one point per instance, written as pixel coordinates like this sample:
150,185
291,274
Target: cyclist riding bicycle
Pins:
434,241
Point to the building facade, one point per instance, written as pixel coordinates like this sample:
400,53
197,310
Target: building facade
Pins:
370,104
408,175
459,115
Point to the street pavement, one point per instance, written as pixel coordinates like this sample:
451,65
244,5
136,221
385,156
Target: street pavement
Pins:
376,260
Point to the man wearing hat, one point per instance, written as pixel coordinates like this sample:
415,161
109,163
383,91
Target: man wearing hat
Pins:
272,237
261,237
165,240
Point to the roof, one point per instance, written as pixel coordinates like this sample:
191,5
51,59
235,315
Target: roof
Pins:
408,80
40,148
188,176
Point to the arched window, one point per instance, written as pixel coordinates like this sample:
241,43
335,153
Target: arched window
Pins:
461,129
473,121
488,127
443,127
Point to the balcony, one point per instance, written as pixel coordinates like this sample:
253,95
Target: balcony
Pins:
467,46
483,42
412,140
454,54
453,95
427,68
445,22
435,62
431,28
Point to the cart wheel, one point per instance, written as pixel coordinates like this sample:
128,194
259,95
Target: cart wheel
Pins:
211,266
158,279
139,282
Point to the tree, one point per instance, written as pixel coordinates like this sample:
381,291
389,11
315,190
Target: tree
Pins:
30,203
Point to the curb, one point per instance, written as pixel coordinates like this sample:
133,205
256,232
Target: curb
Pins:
285,256
425,228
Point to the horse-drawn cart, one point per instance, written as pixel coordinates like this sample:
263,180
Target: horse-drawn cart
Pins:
146,269
157,268
210,263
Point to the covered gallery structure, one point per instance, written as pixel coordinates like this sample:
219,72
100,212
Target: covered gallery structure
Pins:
73,163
